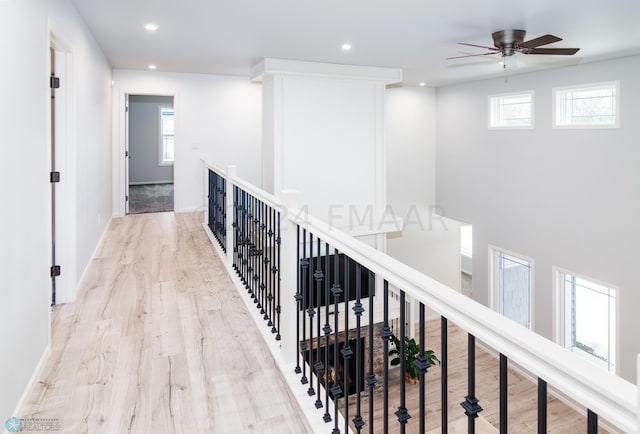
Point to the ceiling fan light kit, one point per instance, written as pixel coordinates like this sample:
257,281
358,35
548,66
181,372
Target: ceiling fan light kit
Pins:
509,42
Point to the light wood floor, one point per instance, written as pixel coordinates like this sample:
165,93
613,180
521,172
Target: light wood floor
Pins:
157,343
522,394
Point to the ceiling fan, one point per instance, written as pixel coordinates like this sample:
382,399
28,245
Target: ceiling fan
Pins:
509,42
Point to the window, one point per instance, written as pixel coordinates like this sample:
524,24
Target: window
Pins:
511,284
587,106
587,318
166,136
514,110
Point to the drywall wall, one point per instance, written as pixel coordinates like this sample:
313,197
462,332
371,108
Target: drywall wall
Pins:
428,242
144,140
217,117
566,198
25,248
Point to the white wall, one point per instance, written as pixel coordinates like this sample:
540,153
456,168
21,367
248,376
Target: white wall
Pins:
567,198
24,166
427,243
144,139
218,117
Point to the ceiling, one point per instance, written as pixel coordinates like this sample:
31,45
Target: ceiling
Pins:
228,37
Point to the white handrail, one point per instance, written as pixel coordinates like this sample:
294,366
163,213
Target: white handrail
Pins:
216,169
612,398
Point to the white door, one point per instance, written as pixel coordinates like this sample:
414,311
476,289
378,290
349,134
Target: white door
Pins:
126,154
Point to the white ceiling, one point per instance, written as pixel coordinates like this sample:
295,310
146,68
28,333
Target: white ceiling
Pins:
229,36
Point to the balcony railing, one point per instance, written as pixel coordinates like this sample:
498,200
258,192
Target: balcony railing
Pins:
333,306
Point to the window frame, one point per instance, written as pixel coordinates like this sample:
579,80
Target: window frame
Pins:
494,290
161,160
491,117
558,320
586,86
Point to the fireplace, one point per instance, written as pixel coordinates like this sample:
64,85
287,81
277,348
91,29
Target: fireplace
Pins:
331,375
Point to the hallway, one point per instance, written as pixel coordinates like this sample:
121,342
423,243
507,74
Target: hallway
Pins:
157,343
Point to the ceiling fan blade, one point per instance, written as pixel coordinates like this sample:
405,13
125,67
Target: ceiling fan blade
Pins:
478,46
553,51
472,55
542,40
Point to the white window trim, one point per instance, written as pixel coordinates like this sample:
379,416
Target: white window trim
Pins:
554,106
512,127
162,162
558,309
493,288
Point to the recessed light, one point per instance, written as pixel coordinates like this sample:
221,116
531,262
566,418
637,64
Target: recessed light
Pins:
151,27
152,67
422,83
346,47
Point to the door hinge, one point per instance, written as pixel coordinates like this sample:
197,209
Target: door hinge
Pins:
55,271
54,82
126,198
54,177
126,153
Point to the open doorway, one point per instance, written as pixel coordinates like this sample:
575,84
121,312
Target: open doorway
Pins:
150,142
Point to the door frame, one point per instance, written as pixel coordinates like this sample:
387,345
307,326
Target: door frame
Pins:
65,156
120,146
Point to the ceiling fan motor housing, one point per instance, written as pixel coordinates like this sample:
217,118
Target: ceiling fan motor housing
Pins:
508,40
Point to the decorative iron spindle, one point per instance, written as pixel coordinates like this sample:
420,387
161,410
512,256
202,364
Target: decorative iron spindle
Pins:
470,403
276,275
336,391
542,406
311,312
444,378
592,422
217,210
503,394
236,230
346,348
327,333
422,363
385,334
358,422
298,298
371,376
319,366
403,414
304,282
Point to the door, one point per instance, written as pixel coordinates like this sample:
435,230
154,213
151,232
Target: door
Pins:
55,270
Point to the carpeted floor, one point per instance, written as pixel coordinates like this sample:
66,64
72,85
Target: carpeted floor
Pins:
150,198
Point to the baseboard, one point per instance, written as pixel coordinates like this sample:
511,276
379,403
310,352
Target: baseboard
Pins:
151,182
34,377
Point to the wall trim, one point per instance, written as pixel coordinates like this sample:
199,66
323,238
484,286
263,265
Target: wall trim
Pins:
151,182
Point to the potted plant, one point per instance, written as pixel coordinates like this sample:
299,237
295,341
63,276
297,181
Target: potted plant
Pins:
411,353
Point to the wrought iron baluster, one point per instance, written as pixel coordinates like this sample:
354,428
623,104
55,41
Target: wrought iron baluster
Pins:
303,343
503,394
542,406
336,290
319,277
592,422
311,312
422,363
385,335
371,376
276,277
470,403
346,348
444,379
327,332
358,309
298,298
403,414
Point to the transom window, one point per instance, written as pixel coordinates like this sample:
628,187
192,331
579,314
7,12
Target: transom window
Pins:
587,106
166,135
587,324
514,110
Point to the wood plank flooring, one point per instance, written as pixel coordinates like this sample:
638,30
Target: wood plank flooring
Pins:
158,341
